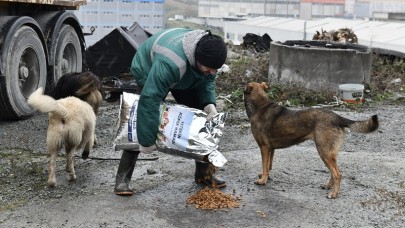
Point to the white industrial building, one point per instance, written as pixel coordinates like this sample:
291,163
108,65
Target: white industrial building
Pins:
379,9
302,9
106,15
376,34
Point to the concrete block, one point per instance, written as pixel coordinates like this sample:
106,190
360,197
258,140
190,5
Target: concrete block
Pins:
319,64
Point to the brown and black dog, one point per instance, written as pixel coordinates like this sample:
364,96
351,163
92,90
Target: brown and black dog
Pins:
275,127
85,85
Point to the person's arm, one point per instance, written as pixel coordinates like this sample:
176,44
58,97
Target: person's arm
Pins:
157,85
206,93
207,98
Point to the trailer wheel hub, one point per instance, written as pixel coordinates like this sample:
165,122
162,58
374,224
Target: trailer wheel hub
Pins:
24,72
65,65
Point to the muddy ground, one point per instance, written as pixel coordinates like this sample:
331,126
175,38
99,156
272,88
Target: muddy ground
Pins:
372,189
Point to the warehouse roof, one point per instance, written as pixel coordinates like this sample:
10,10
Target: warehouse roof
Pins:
387,36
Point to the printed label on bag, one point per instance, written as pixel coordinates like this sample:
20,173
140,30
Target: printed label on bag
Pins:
175,124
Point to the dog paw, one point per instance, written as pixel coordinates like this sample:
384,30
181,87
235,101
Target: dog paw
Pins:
260,176
71,177
51,181
85,154
332,195
326,186
260,182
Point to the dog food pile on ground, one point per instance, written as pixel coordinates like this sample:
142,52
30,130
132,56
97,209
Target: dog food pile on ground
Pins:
212,199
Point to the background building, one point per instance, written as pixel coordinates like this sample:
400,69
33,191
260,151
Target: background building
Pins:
106,15
313,9
380,9
303,9
233,9
349,7
387,37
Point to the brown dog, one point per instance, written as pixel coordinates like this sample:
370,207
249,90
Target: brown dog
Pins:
276,127
71,124
85,86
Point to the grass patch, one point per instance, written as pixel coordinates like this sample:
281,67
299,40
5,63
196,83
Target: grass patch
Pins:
387,83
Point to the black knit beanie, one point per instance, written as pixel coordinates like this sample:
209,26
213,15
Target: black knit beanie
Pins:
211,51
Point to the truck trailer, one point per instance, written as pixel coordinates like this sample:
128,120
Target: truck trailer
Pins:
40,40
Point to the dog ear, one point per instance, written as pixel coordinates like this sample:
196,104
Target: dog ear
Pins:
248,88
264,85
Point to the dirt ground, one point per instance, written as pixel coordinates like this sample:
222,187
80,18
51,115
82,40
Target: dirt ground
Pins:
372,189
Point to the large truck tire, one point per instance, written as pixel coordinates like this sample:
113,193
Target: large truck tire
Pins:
68,56
23,70
65,44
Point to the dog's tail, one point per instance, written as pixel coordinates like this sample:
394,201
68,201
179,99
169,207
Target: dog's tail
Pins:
45,103
365,126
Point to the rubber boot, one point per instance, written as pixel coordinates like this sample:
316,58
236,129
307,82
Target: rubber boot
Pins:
204,173
124,173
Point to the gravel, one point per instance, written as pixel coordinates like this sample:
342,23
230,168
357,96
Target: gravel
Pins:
372,189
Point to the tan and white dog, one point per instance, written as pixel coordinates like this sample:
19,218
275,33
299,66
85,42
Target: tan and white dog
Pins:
71,125
85,86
